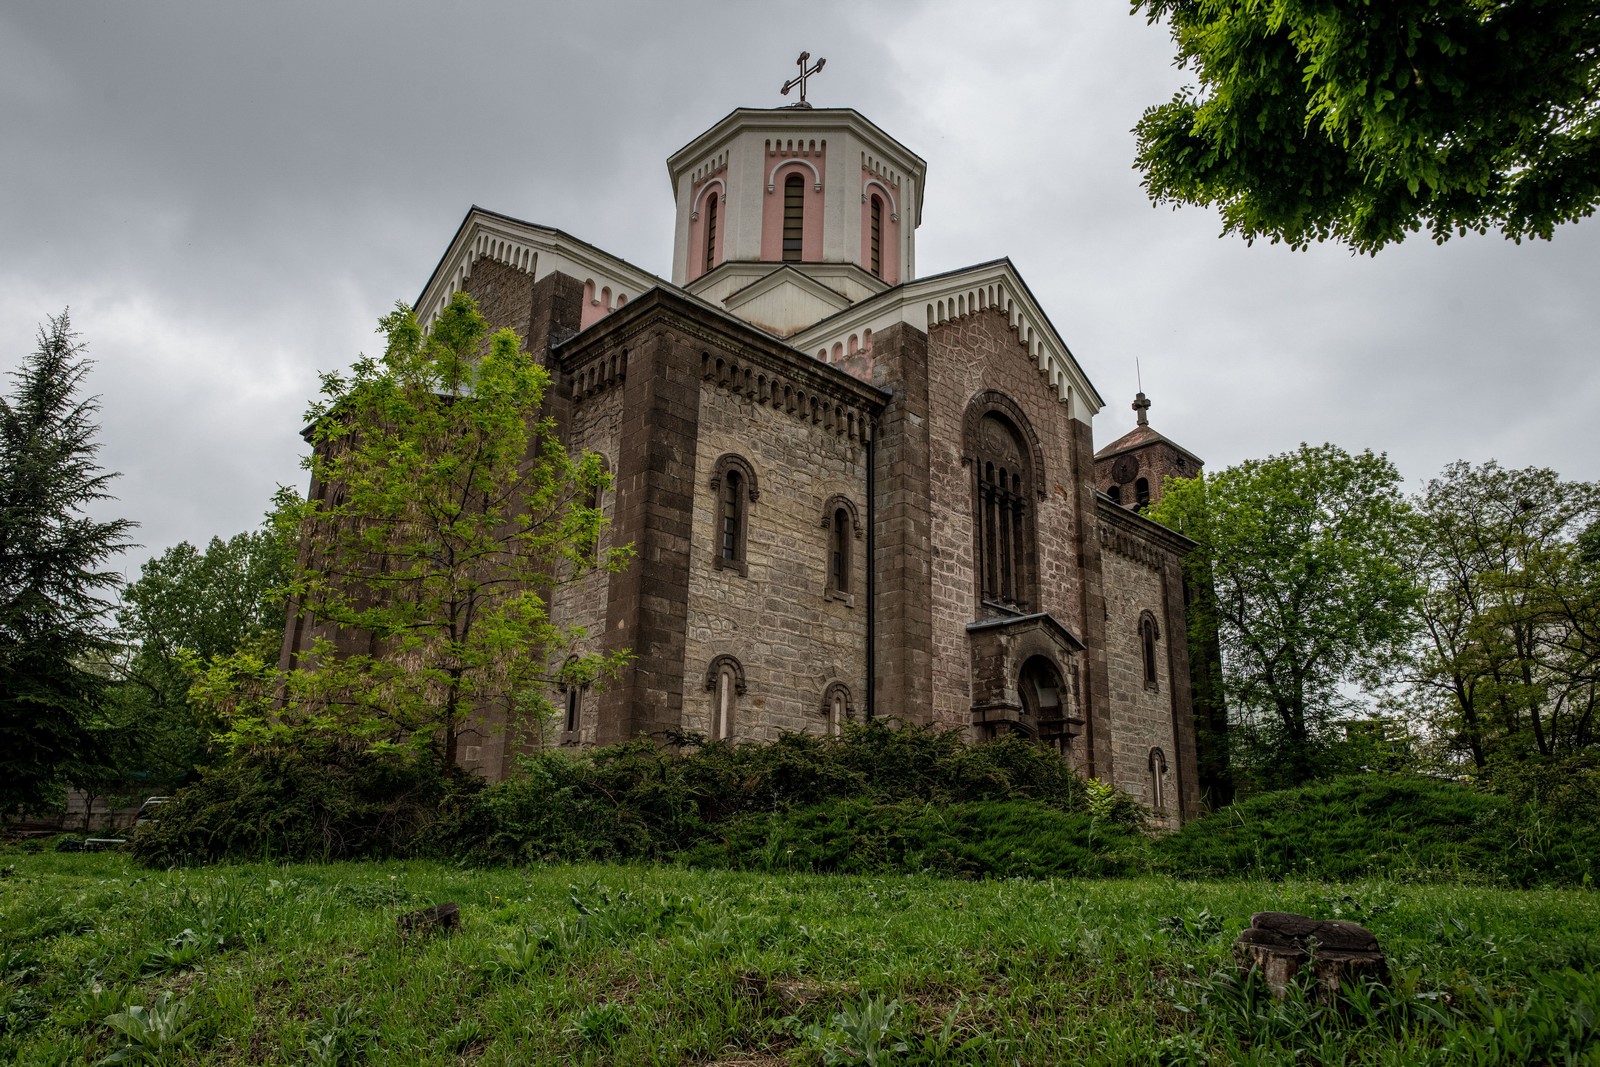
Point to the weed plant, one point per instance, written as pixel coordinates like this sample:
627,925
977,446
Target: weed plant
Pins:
592,964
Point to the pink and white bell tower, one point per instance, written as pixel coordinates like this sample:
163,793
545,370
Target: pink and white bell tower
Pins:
787,215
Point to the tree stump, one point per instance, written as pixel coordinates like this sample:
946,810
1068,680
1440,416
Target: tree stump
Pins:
441,918
1279,943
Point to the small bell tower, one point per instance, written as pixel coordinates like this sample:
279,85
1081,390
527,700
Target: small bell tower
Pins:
1132,468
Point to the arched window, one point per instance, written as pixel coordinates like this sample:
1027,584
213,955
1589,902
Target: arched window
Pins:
725,683
711,231
794,216
1141,494
837,707
839,553
1149,633
1158,773
1003,493
877,236
1115,493
734,482
840,520
731,526
572,688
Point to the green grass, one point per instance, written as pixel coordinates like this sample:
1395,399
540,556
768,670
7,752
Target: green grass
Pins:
624,965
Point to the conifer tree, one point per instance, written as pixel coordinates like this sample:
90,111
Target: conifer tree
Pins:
53,614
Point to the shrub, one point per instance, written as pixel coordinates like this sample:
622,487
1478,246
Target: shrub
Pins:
1392,825
303,802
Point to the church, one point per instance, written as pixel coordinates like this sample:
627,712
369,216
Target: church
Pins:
854,492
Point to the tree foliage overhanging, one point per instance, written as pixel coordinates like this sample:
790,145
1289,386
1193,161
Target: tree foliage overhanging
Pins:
1363,122
52,609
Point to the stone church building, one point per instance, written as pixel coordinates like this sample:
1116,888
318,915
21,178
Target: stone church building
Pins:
853,491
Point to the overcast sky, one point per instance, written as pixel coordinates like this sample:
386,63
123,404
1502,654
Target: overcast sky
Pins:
229,195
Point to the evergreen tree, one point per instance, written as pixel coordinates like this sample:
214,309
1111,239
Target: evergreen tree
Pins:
52,611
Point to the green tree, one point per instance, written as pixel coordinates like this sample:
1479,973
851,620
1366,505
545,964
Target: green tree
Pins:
1507,664
187,607
1303,551
1365,122
444,511
53,630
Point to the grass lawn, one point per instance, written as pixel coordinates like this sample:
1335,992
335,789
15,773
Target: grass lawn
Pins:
626,965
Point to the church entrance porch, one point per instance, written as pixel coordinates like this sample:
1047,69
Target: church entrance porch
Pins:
1025,674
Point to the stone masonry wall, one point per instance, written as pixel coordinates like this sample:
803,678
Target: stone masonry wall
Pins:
790,640
1141,718
966,357
592,427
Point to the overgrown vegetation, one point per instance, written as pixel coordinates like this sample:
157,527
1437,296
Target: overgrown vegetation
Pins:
660,965
875,800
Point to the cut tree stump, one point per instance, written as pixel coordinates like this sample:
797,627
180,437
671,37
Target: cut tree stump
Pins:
441,918
1279,943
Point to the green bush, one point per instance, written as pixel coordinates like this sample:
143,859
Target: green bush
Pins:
303,803
1391,825
640,801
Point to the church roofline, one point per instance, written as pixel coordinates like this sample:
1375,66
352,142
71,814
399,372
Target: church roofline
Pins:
949,295
524,248
813,117
738,335
1108,510
1143,437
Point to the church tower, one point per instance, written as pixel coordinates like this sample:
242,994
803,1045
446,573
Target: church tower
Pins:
1132,469
788,215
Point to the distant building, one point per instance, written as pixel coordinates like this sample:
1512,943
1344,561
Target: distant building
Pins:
853,491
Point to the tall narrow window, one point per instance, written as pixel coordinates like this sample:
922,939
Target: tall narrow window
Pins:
1003,515
1115,493
732,489
839,552
722,724
877,236
794,217
733,486
574,707
711,231
725,683
1141,494
1158,774
836,707
1148,634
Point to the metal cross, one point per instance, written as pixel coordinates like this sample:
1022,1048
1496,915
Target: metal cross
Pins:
800,80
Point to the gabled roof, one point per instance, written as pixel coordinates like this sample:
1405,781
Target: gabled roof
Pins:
926,302
527,246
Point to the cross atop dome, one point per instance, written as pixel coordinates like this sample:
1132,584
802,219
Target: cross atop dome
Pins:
800,79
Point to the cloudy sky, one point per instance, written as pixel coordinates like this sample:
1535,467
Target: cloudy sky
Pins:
228,195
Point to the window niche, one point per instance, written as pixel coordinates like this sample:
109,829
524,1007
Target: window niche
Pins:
1149,634
843,523
1158,774
733,481
572,692
837,707
725,683
1007,479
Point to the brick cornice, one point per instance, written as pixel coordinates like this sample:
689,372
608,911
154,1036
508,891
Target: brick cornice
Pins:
1135,537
